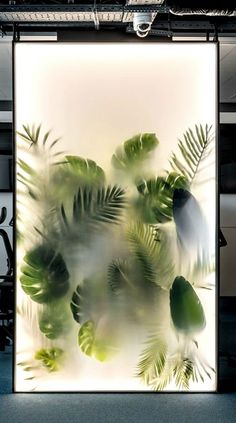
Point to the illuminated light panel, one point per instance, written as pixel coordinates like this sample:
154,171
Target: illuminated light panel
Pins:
115,246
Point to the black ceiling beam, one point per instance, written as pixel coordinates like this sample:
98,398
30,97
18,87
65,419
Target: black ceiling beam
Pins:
102,7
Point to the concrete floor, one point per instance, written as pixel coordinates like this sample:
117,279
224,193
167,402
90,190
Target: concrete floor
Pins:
110,408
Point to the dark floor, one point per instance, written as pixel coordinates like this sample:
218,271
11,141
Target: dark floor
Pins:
119,408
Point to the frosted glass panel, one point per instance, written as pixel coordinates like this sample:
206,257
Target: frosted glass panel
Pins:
116,216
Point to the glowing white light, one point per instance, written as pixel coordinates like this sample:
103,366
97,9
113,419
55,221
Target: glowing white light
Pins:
95,96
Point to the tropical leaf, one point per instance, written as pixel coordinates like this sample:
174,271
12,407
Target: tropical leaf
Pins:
93,345
29,366
134,152
54,320
151,250
183,373
145,248
31,135
85,169
50,358
28,175
74,172
44,275
155,202
200,269
77,304
193,149
186,309
86,337
88,301
191,226
102,205
152,359
166,376
118,276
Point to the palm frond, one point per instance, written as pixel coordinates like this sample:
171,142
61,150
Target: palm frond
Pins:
104,205
193,149
183,373
200,269
152,360
151,249
144,247
31,135
118,276
28,174
166,376
201,368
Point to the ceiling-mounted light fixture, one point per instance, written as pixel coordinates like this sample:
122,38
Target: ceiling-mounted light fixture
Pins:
142,23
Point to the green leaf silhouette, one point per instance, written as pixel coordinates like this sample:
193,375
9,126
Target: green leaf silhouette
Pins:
130,156
93,206
155,202
51,358
193,149
186,309
44,275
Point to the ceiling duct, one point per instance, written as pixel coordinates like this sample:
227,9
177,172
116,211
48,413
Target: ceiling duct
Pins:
202,7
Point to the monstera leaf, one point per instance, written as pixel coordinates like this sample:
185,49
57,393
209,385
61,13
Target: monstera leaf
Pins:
44,276
76,170
51,358
186,309
155,202
54,320
86,169
93,344
89,299
77,304
130,156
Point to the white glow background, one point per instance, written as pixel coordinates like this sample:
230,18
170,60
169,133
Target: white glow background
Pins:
95,96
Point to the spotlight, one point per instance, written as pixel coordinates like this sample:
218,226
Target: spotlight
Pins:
142,23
